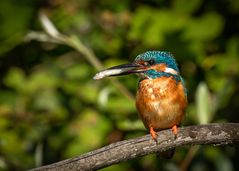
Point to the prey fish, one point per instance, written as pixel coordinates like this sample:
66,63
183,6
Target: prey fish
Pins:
118,70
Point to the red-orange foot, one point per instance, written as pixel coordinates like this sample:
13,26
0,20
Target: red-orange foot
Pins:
153,133
175,130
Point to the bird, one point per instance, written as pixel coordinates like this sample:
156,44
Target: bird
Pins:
161,98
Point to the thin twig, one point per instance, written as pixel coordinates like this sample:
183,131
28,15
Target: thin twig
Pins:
76,44
217,134
55,36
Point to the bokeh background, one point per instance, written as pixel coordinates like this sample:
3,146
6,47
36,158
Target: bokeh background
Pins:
51,108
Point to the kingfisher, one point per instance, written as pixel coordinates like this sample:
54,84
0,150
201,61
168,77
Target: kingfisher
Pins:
161,98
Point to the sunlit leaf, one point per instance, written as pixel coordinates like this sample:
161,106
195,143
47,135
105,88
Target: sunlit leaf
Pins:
203,104
103,97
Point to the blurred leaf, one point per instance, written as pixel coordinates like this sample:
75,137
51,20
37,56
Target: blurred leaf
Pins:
4,123
233,47
16,79
46,100
205,28
192,6
223,163
103,97
78,72
41,80
15,19
203,106
128,125
223,90
152,29
139,22
10,139
39,155
120,106
88,92
234,6
90,130
117,167
8,99
220,160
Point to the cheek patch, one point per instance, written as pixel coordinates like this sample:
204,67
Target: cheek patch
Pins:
171,71
159,67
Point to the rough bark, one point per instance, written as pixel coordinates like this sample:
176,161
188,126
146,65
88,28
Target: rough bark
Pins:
216,134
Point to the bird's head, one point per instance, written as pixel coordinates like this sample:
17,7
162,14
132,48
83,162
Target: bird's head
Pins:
151,64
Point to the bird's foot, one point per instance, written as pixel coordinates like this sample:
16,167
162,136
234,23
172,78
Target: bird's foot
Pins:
175,130
153,134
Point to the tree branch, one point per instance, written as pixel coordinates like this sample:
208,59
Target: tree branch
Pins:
217,134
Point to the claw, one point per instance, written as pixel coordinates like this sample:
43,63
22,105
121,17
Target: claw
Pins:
153,133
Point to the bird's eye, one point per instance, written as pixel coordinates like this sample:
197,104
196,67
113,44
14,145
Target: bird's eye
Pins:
151,62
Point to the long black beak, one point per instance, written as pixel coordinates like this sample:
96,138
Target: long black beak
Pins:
123,69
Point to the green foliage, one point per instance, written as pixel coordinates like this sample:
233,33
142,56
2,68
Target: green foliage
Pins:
51,108
14,26
205,28
90,130
203,106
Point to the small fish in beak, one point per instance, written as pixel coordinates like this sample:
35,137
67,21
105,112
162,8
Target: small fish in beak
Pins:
123,69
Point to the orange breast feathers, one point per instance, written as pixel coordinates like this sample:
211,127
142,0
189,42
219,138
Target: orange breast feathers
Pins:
161,102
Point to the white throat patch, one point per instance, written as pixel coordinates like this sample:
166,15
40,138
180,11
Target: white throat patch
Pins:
171,71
